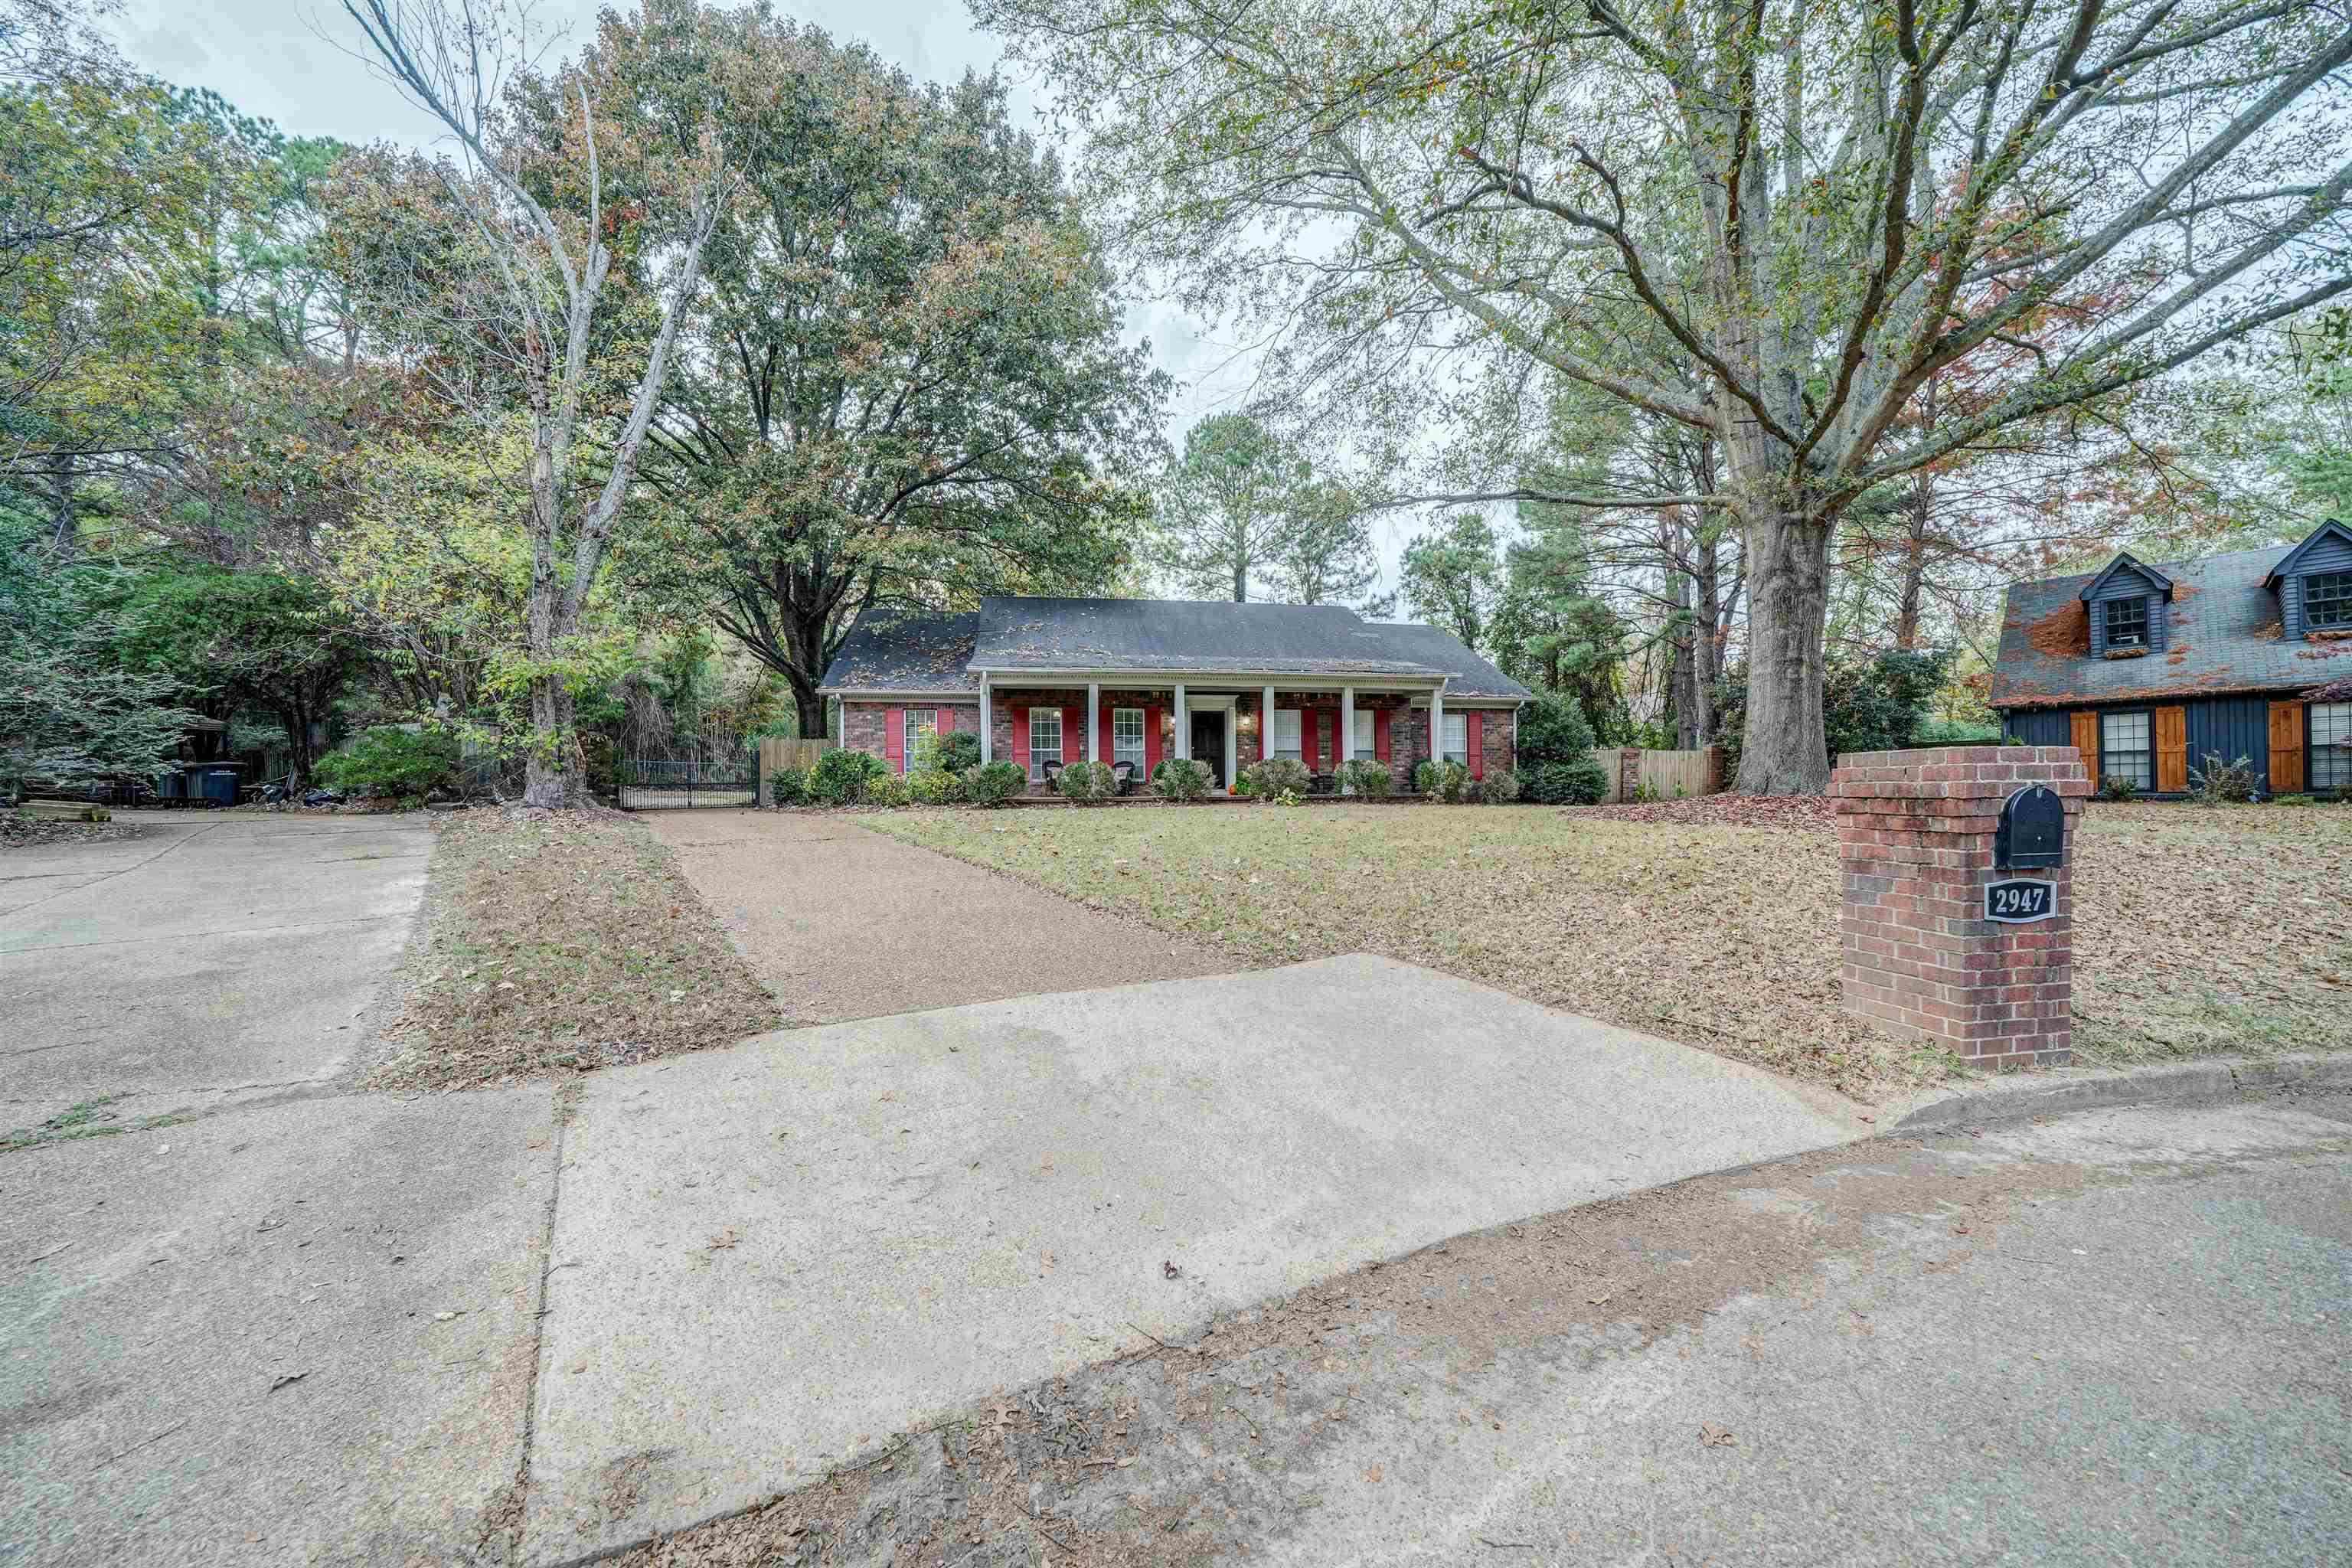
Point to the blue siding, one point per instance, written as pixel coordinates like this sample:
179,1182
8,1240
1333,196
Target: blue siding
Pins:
2127,585
2291,608
2328,553
2233,726
2098,627
2040,727
2160,616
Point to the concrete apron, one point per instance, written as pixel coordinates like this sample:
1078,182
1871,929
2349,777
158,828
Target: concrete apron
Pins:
768,1260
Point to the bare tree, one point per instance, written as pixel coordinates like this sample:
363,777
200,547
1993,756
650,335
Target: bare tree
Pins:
466,62
1820,204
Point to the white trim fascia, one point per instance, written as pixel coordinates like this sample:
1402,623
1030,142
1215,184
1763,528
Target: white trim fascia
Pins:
893,694
1249,680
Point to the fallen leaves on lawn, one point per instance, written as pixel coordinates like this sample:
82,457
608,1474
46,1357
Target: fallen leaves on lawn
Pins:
564,939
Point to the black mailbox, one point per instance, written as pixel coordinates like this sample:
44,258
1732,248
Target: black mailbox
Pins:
2033,831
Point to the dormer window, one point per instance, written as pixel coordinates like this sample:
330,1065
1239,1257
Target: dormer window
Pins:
2127,623
2328,601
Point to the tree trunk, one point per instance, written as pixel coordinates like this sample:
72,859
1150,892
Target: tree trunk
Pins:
554,775
808,708
1785,749
1915,508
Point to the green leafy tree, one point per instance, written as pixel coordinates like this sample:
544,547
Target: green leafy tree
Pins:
1225,514
1817,207
1552,632
908,386
1325,555
1454,577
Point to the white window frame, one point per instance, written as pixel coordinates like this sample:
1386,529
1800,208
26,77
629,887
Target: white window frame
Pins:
2143,633
908,732
1039,756
1282,739
2141,769
1120,750
1364,734
2333,718
2338,611
1448,751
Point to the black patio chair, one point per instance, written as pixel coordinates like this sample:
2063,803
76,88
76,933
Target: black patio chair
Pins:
1124,774
1053,772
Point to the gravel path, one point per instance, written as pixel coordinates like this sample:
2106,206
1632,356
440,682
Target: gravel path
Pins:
842,923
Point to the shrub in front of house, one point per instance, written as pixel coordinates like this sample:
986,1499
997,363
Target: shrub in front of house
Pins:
1448,781
1553,730
788,786
1500,787
1368,777
993,784
889,789
933,786
2113,788
1086,784
392,760
1584,781
1269,779
845,777
1181,779
958,751
2224,784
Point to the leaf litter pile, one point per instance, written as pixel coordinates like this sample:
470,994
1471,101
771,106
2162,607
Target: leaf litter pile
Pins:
1714,921
563,941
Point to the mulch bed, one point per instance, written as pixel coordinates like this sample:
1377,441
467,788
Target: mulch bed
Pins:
563,942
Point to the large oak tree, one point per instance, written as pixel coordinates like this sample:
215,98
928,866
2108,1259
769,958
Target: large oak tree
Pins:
1821,203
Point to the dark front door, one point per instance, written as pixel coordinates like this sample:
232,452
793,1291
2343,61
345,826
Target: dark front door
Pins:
1209,744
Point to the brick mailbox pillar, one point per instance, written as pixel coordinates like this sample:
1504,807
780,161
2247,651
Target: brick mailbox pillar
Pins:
1921,960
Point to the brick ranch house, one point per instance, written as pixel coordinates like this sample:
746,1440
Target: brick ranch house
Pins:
2147,669
1140,680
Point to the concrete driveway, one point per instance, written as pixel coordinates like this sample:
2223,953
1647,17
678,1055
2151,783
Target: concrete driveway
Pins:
768,1260
212,958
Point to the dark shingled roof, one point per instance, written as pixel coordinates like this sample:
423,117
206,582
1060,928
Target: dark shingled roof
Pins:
929,652
908,650
2223,637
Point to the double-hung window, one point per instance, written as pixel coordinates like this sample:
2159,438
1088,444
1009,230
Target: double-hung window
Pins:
1363,736
2123,749
1457,738
922,723
2331,745
2328,601
1127,736
1283,742
2127,623
1045,741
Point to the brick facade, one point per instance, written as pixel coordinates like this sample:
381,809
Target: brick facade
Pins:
866,726
1916,850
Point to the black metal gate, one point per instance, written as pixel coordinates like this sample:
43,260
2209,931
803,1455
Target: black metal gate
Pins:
657,784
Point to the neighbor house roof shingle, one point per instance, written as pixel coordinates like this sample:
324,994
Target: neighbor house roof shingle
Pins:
916,651
2225,635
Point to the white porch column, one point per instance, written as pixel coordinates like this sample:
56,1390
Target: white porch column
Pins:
1183,727
1094,721
1437,725
1232,743
1346,740
987,723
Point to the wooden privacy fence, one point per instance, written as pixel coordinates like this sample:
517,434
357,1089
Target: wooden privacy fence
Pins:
1665,774
776,752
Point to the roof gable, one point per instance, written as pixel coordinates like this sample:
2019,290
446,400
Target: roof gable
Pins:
2330,530
2105,585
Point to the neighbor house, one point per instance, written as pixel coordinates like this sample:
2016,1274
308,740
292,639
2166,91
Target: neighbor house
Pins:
2149,670
1138,681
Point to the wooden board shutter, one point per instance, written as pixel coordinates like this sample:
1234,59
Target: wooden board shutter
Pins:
1477,728
2286,748
2086,741
1074,734
1381,718
894,739
2171,750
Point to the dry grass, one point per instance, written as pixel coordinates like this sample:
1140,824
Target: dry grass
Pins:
2196,929
563,941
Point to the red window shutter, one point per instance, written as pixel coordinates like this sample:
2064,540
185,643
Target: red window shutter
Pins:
1380,733
1151,742
947,721
1020,739
1103,738
1074,734
1477,728
1311,724
894,739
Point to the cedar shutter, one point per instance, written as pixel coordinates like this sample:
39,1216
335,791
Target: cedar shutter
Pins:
2171,750
1380,733
894,738
2086,741
2286,748
1074,734
1020,739
1153,744
1477,728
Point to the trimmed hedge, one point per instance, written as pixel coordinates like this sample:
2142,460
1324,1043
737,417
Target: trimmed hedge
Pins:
845,778
993,784
1267,780
1086,784
1581,783
1181,779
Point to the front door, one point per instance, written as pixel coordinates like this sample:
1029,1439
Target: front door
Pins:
1209,744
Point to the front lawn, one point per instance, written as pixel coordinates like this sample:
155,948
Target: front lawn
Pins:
2196,929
